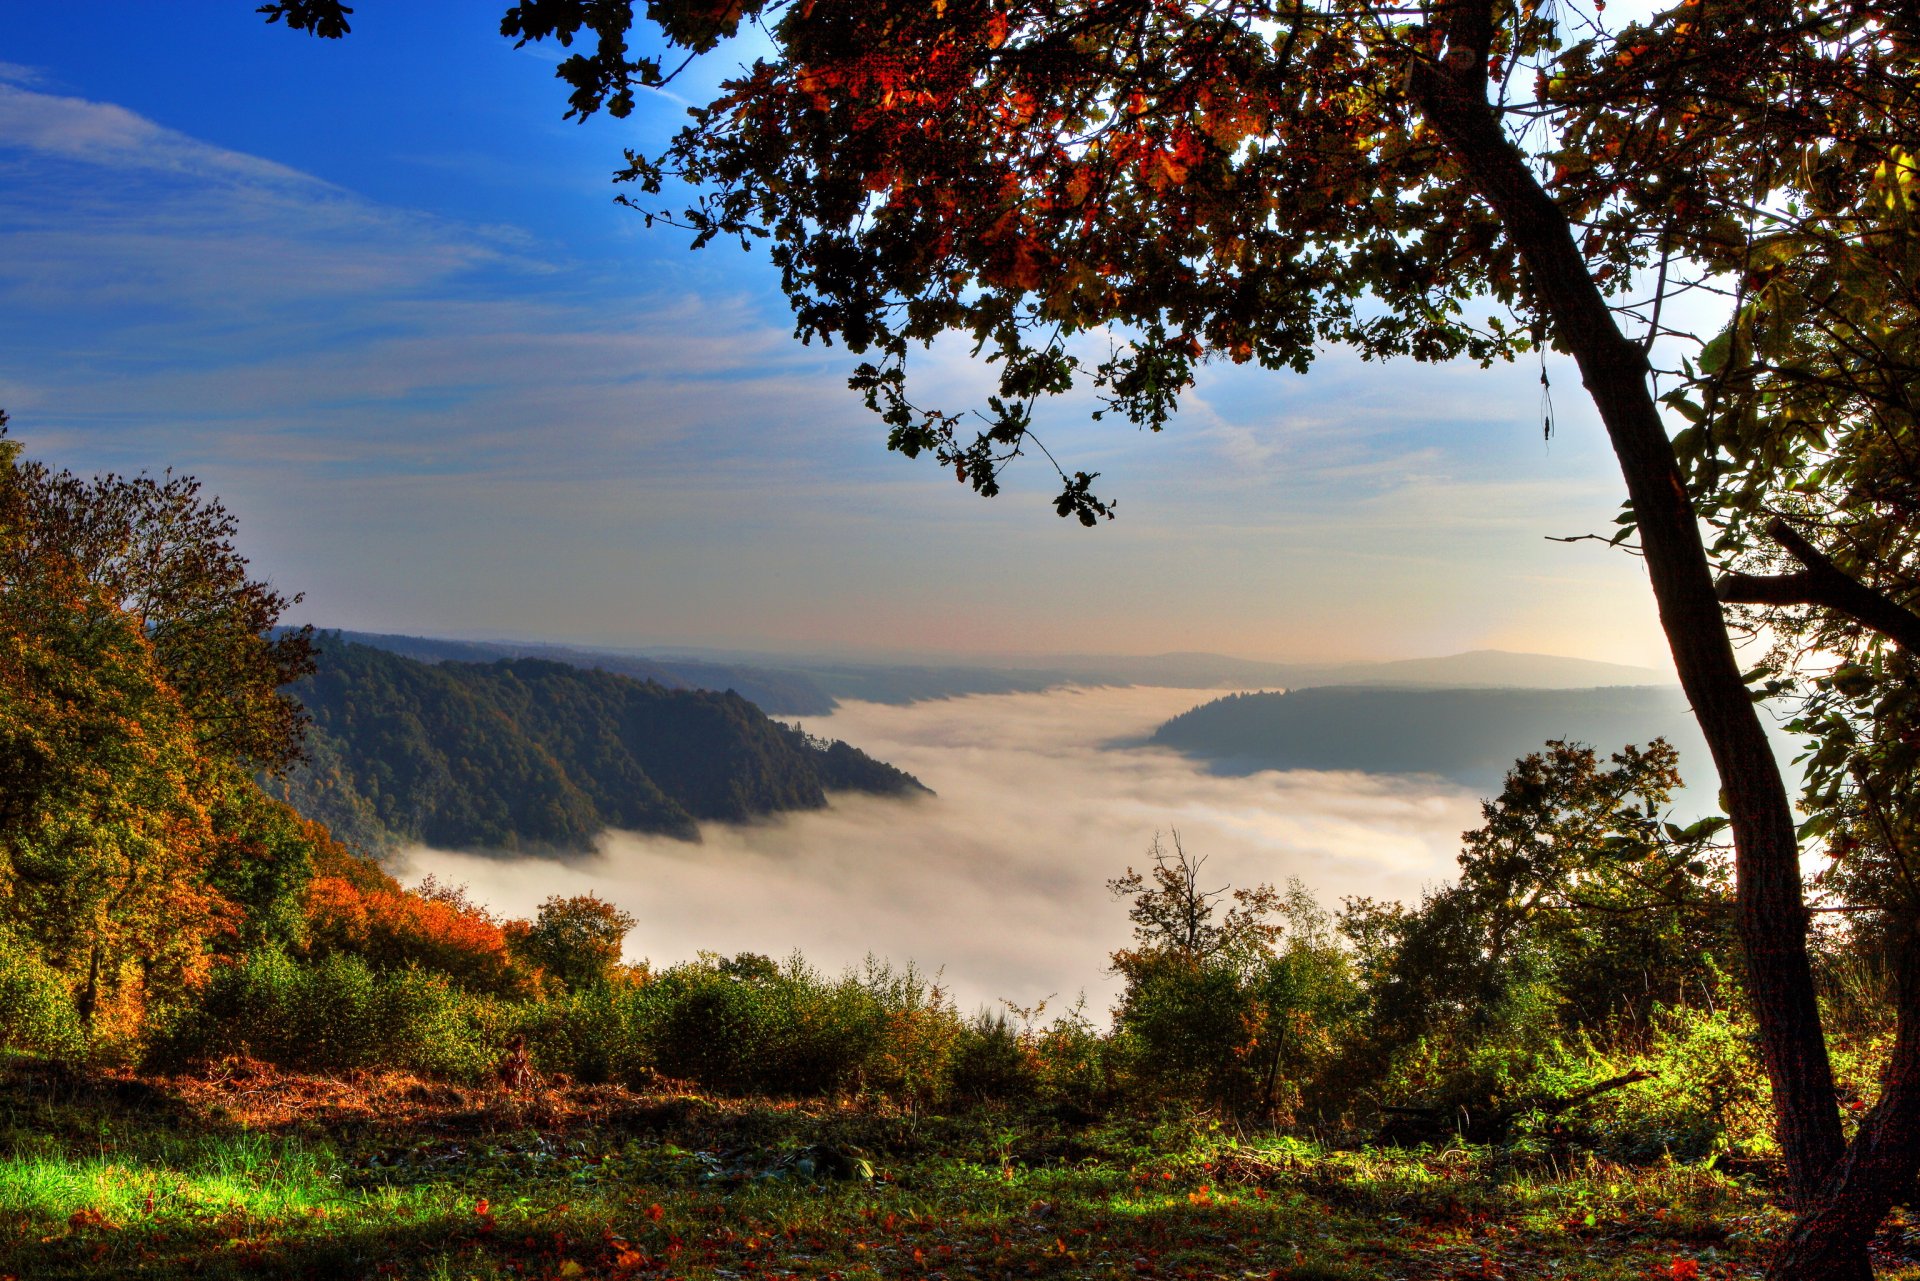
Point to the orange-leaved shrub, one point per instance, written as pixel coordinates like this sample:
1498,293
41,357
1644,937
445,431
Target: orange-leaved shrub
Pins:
435,928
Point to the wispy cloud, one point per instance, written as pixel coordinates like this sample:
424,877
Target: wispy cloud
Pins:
15,73
357,378
107,208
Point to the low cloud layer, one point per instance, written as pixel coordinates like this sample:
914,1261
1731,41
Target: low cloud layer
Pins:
999,880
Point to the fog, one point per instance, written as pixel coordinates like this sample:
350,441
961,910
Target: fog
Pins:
999,880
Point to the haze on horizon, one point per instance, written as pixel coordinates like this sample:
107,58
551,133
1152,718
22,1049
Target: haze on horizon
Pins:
374,293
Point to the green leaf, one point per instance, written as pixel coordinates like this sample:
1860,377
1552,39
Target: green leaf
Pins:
1713,357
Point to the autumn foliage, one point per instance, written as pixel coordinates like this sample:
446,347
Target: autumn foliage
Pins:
395,929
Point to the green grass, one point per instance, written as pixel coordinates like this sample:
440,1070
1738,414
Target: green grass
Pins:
95,1185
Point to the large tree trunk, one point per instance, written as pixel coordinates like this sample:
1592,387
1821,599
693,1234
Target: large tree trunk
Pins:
1831,1235
1772,913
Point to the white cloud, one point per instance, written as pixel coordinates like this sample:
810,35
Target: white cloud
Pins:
110,136
1001,878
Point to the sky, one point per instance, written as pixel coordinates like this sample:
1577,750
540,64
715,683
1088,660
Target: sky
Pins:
375,293
997,882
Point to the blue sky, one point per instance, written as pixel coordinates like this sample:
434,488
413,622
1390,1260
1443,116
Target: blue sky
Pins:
375,293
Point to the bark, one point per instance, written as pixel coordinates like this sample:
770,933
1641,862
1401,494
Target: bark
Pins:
1772,913
1830,1239
89,997
1821,582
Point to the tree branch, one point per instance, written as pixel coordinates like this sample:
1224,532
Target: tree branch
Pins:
1822,583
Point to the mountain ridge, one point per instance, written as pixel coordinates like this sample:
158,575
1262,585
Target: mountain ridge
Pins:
531,754
813,685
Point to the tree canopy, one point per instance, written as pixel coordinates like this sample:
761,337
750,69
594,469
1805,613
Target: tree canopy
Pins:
138,693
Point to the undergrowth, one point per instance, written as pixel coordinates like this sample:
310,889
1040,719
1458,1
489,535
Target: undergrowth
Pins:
247,1171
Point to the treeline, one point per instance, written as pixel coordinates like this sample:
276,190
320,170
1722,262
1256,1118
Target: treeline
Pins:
1568,991
531,754
775,690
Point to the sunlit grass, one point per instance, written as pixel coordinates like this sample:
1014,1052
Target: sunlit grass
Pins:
94,1191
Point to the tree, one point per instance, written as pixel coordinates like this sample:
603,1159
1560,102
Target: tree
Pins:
163,556
1237,1008
576,940
1253,179
1577,908
133,707
1174,916
1804,446
103,819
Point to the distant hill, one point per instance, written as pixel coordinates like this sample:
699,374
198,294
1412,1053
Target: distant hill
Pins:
1472,736
907,684
813,686
1481,668
1486,668
532,754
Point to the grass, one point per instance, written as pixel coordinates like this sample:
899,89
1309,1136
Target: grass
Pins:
246,1172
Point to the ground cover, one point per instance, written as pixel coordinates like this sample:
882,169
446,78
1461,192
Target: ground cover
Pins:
245,1171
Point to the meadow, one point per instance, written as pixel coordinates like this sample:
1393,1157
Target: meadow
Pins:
243,1170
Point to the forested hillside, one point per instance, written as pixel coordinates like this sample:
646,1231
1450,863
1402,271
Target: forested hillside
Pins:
1469,735
778,691
529,753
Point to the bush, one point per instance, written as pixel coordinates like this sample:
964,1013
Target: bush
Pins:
992,1061
37,1013
748,1025
1474,1063
1242,1012
599,1035
336,1013
434,928
1190,1029
1707,1095
1072,1061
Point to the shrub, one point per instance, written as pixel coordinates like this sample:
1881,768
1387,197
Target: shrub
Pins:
1189,1029
1477,1062
37,1013
263,860
747,1025
711,1025
1707,1095
435,928
919,1033
1072,1061
1240,1011
595,1036
335,1013
992,1061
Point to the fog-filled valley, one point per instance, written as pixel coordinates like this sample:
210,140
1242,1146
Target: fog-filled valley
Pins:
999,878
